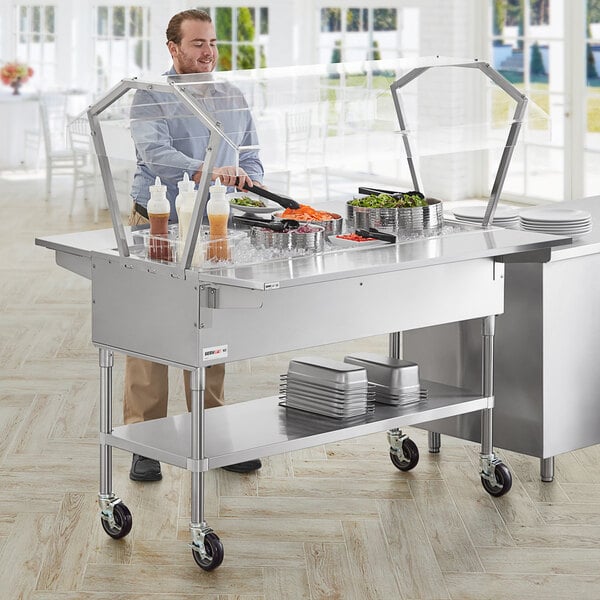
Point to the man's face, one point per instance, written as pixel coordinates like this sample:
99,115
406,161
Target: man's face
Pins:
197,52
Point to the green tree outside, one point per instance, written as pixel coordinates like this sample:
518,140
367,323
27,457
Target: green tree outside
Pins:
246,32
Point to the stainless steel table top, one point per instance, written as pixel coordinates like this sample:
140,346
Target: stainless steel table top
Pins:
470,244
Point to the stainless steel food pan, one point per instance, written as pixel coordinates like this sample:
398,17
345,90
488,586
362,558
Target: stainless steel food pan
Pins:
401,399
327,370
313,382
332,393
331,226
393,373
391,220
288,240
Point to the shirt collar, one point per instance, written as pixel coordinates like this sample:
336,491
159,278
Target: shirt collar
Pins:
216,87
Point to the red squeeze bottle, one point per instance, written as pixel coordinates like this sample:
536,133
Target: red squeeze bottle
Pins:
159,210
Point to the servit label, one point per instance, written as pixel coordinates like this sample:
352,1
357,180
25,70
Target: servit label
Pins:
214,353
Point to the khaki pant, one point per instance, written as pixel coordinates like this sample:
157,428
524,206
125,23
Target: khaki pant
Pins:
146,391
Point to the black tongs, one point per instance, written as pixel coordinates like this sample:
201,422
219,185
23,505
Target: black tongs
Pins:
369,191
282,200
378,235
280,225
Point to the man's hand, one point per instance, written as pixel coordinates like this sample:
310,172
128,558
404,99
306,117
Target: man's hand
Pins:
229,176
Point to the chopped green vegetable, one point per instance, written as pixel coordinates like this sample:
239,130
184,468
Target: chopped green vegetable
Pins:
246,201
409,200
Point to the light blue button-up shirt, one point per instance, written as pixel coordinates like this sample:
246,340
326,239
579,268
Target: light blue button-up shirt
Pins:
170,139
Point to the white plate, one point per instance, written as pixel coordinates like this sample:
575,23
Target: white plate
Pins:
478,212
587,225
268,208
495,221
565,232
559,231
553,214
557,227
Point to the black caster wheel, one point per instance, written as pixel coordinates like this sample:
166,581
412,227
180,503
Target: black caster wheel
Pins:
123,522
214,553
410,450
503,481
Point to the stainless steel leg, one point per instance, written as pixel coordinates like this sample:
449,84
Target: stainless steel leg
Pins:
489,325
495,475
395,344
106,365
547,469
395,436
435,441
197,385
207,548
116,518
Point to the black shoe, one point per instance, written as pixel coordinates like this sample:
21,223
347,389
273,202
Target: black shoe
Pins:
245,467
144,469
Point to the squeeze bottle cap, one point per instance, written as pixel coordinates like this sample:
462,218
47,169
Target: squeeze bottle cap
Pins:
217,203
158,187
186,184
217,188
158,203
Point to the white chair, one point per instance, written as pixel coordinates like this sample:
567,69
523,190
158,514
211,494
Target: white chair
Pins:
85,164
305,145
60,157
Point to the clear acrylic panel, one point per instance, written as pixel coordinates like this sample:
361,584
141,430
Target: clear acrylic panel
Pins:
307,120
306,126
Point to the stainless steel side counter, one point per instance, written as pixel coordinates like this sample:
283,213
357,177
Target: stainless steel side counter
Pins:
547,384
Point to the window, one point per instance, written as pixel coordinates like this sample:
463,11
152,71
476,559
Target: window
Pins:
592,103
528,49
121,43
351,34
36,41
242,34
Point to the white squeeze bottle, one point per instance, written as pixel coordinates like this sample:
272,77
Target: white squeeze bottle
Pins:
159,210
184,205
217,211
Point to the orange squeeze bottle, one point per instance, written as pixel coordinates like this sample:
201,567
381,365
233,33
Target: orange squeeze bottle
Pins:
217,211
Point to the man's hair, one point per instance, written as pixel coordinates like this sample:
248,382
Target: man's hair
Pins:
174,26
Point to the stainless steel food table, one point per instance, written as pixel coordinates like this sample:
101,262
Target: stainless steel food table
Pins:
231,313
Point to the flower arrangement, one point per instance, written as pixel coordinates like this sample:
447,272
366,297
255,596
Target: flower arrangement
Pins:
15,73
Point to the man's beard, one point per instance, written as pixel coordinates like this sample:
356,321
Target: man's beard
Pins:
191,65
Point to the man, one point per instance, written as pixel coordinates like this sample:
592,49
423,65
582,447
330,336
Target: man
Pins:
171,140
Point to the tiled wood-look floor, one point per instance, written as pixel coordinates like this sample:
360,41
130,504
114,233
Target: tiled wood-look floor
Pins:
329,522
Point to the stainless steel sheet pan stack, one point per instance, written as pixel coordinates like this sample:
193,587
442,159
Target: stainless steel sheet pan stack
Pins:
326,387
394,381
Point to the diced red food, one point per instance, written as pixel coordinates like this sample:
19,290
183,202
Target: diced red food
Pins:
354,237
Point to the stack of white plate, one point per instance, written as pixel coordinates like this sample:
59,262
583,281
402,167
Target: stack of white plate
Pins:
395,381
556,220
326,387
505,216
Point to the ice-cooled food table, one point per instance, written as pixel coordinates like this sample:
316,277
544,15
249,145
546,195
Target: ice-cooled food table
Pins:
202,315
234,313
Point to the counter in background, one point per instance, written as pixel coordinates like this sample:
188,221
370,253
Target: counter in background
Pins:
547,384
